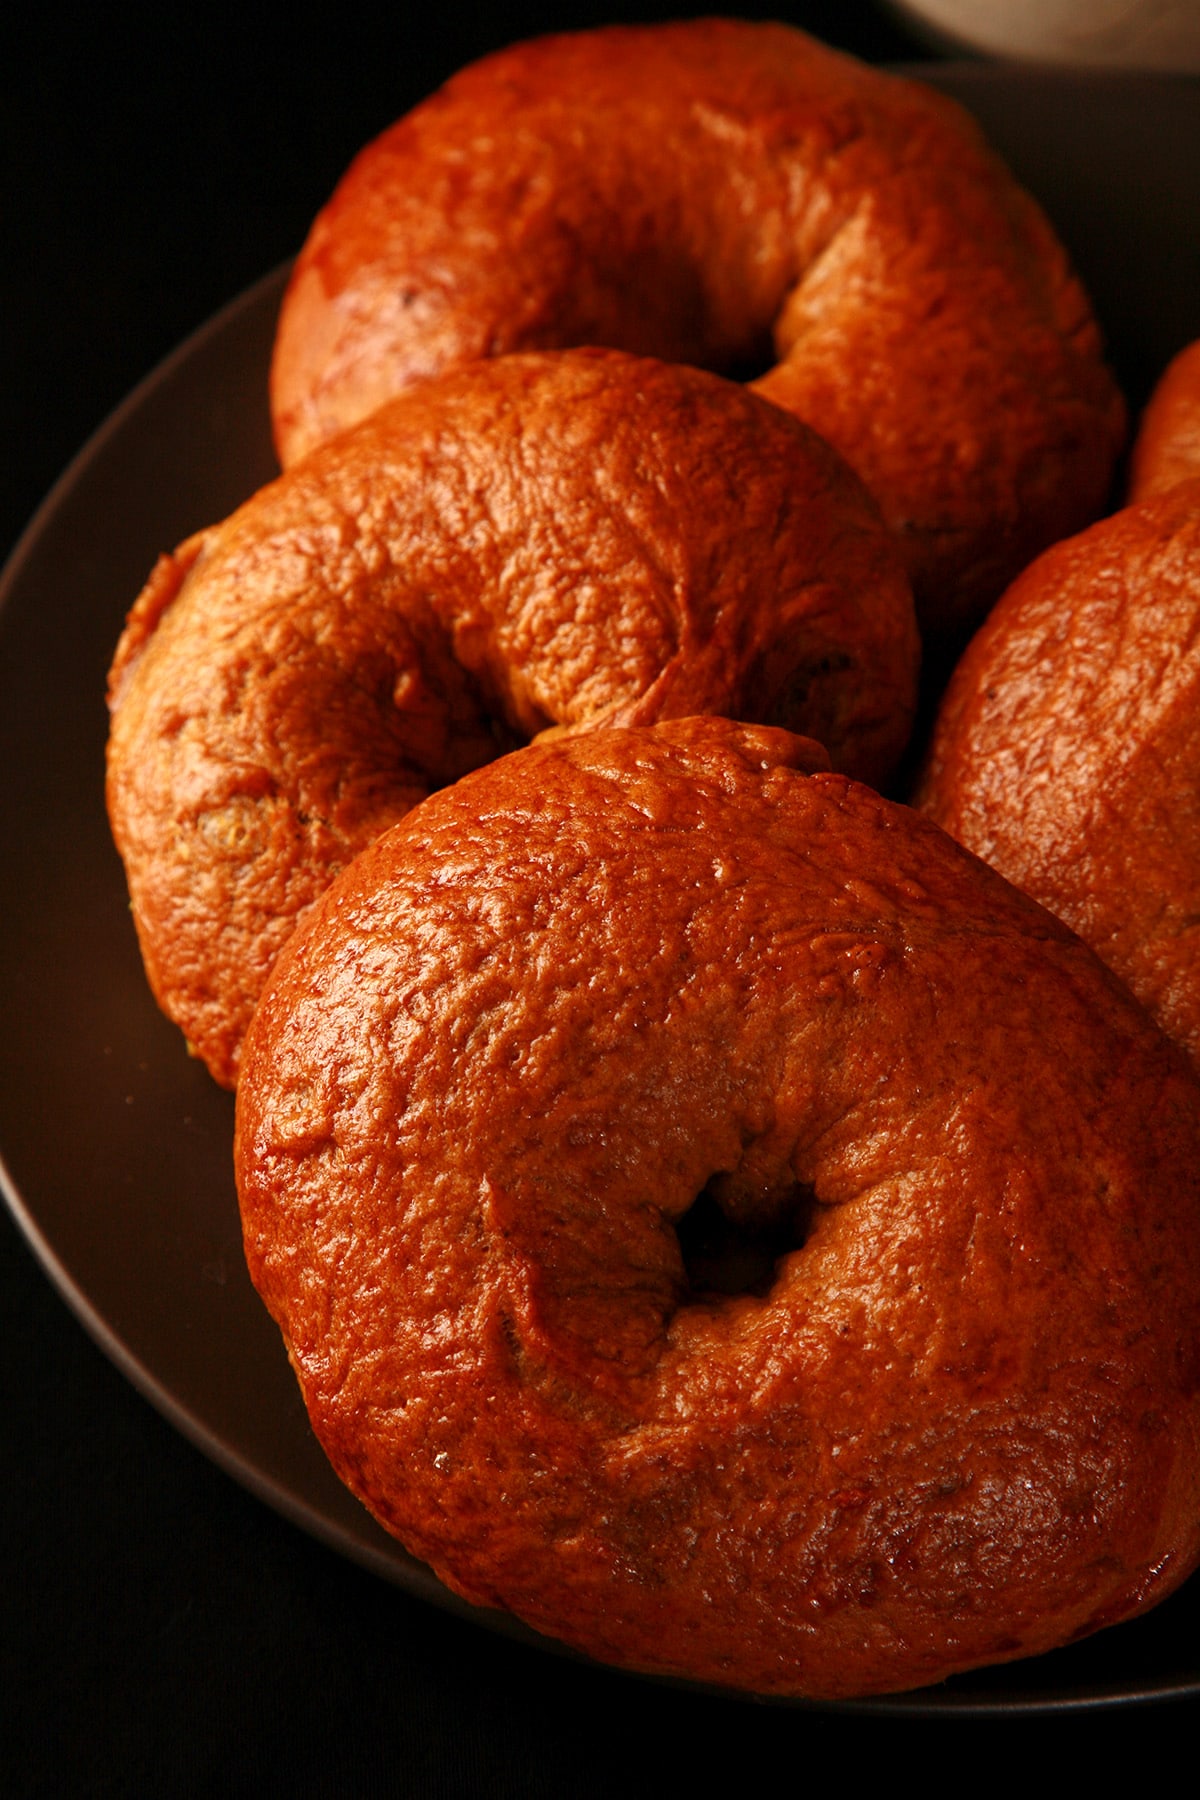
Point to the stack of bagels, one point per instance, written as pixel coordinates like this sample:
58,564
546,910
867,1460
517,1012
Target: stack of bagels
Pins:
711,1213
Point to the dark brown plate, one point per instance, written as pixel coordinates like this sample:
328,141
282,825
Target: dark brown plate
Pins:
116,1146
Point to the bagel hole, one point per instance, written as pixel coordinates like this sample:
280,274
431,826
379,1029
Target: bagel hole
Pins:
724,1255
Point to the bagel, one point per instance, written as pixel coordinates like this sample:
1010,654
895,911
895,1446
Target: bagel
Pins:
1167,447
953,1418
722,193
1067,749
534,542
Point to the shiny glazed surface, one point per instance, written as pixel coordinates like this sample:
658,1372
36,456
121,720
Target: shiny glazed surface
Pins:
1067,750
492,1072
541,541
728,194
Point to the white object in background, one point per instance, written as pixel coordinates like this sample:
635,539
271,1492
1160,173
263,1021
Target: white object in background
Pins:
1128,34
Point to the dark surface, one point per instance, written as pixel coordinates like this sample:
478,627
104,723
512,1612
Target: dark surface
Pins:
161,1630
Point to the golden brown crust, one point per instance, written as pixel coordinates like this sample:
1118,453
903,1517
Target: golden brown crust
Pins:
1067,751
535,542
696,191
1167,447
496,1066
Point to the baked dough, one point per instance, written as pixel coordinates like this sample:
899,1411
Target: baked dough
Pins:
535,542
956,1422
1167,447
730,194
1067,750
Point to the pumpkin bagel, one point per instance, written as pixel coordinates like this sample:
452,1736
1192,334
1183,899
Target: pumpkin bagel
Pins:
730,194
956,1421
534,542
1167,447
1067,749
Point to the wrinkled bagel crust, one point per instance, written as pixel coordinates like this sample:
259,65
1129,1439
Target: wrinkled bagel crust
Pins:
538,541
1167,448
727,194
511,1045
1067,749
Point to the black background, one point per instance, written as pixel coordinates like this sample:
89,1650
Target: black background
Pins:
161,1632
